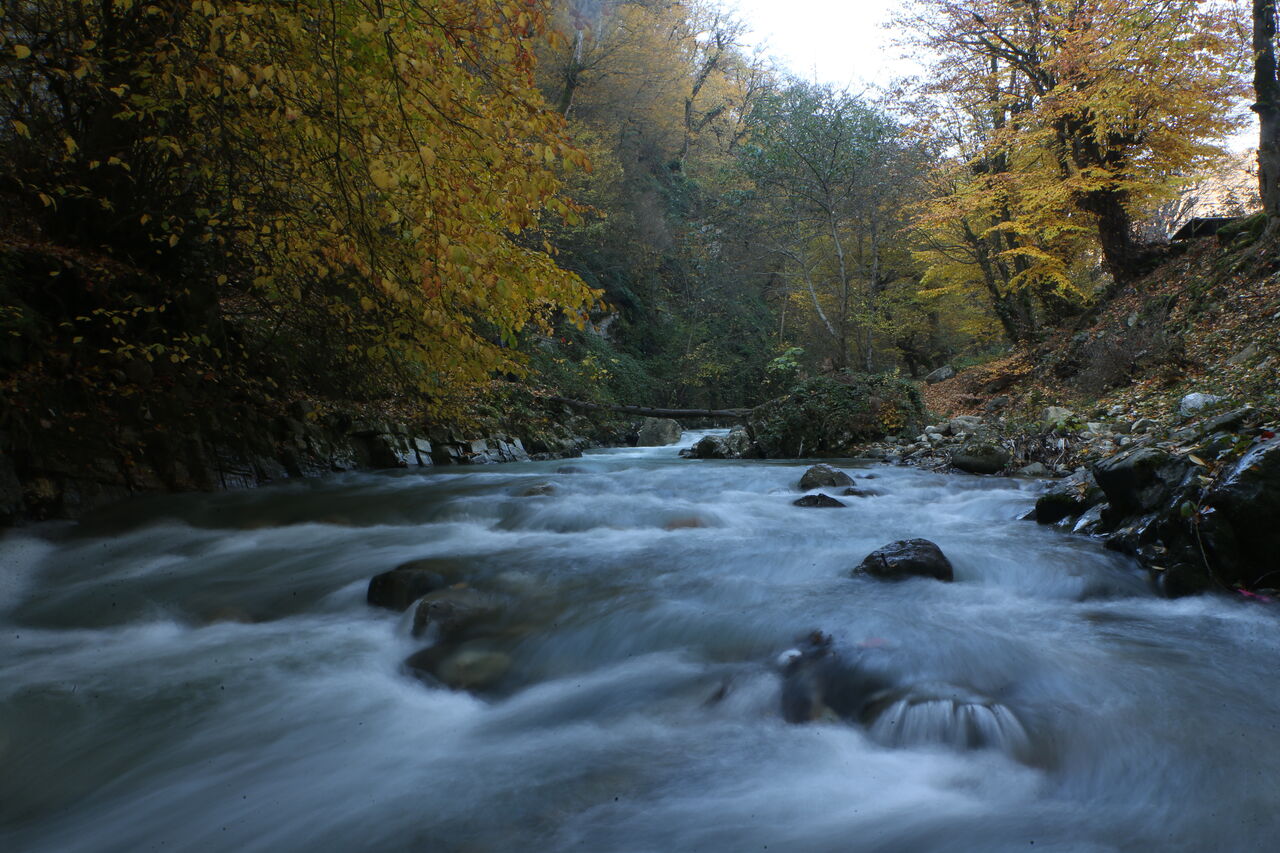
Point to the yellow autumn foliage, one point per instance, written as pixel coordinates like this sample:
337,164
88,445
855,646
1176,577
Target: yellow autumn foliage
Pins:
374,172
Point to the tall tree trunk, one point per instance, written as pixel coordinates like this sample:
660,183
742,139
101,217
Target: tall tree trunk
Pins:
842,359
1115,232
1266,87
572,75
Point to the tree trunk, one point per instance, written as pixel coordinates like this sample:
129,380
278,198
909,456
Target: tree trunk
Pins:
1115,232
572,75
842,358
1011,320
1267,89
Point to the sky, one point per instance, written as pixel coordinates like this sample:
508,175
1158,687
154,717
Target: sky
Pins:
842,42
845,43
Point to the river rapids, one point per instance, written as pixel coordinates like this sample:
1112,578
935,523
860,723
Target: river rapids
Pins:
204,673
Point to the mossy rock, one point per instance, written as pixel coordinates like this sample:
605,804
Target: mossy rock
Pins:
833,416
1244,231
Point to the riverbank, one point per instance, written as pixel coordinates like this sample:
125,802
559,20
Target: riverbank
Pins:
63,467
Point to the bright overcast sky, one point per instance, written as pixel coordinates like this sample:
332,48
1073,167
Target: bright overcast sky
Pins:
842,42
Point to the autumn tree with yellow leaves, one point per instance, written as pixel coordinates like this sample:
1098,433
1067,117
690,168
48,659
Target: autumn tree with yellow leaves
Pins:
1085,110
362,183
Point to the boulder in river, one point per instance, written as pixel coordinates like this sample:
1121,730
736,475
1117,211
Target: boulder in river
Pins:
406,583
1240,518
453,610
709,447
863,686
658,432
819,500
1140,480
473,669
1068,498
907,558
824,476
739,445
854,492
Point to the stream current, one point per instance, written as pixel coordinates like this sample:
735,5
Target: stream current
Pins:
203,673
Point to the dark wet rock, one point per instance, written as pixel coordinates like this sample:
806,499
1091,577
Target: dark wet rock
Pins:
406,583
1240,518
907,558
1068,499
822,476
1182,580
981,457
817,681
422,664
1090,521
834,416
854,492
1135,535
819,500
454,610
862,686
1140,480
940,375
658,432
539,490
709,447
473,669
1230,421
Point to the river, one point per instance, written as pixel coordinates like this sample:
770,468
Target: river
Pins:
203,673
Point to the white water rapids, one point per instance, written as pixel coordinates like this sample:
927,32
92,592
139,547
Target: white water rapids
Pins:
203,673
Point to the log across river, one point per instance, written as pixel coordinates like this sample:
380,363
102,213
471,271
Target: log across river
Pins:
203,673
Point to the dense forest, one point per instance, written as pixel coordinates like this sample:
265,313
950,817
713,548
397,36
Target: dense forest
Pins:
411,208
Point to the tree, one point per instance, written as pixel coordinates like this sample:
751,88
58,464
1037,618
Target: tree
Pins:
364,181
1266,88
1101,101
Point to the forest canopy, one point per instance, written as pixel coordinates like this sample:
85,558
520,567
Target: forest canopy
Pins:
616,199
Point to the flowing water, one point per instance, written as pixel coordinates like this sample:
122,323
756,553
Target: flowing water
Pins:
203,673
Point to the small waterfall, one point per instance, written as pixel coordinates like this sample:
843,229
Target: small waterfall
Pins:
947,716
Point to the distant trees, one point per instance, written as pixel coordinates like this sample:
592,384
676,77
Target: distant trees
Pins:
831,172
